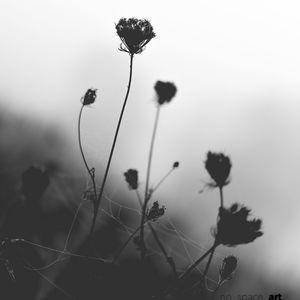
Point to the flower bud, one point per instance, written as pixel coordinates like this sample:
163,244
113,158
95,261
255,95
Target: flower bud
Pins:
165,91
131,177
89,97
228,267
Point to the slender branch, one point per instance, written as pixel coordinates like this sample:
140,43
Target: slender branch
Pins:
162,180
147,195
125,244
98,201
151,151
198,261
187,272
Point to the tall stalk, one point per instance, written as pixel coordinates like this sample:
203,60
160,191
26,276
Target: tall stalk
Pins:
147,195
98,201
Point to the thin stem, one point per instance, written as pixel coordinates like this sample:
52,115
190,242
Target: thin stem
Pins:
208,265
188,271
197,262
162,180
147,195
151,151
221,197
72,225
98,201
92,175
125,244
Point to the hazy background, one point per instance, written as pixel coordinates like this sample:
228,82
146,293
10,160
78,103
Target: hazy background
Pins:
237,68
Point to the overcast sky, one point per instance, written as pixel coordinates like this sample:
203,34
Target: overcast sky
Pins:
237,68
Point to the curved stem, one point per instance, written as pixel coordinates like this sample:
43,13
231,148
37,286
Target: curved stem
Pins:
147,194
98,201
92,175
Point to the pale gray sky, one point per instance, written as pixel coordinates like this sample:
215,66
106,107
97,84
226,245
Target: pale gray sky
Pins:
237,68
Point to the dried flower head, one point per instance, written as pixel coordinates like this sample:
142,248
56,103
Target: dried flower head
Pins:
155,211
34,182
134,34
176,164
234,228
227,268
131,177
165,91
218,166
89,97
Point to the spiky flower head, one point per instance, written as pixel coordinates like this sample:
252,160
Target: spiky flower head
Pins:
131,177
135,34
165,91
227,268
89,97
155,211
218,166
234,228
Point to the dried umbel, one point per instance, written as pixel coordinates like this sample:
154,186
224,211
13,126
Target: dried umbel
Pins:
131,177
227,268
218,166
234,228
135,34
155,211
89,97
34,183
165,91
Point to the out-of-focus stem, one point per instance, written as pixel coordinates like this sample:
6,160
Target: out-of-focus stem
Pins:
147,195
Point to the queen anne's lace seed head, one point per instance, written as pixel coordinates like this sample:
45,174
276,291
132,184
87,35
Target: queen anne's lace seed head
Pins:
234,228
134,34
165,91
155,212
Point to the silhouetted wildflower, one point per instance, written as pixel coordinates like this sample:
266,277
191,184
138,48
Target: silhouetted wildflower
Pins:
234,228
218,166
89,97
165,91
176,164
131,177
134,34
155,212
227,268
34,182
